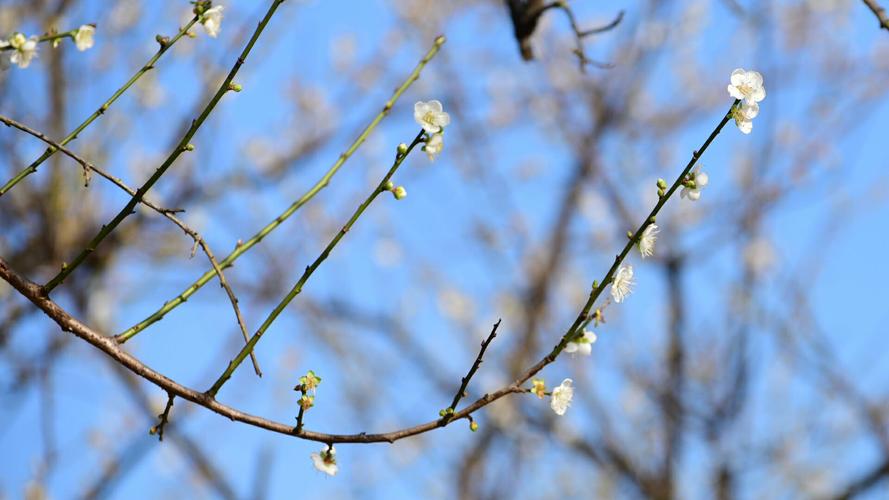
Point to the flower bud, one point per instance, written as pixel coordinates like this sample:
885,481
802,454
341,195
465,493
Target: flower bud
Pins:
399,193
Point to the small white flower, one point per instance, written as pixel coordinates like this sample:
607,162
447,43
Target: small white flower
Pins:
434,146
700,179
212,20
430,116
325,461
25,49
561,398
747,85
744,115
622,284
83,39
646,241
583,345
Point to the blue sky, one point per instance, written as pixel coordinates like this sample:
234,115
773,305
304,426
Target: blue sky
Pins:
432,227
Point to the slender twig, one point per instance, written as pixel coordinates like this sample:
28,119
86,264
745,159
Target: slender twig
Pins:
600,286
48,38
163,418
464,382
579,34
165,44
878,11
36,294
296,205
166,212
297,288
180,148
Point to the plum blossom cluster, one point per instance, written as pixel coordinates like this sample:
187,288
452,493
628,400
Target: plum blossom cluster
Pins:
23,49
307,383
431,116
747,87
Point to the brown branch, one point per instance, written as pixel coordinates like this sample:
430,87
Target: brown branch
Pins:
464,382
166,212
68,323
525,15
878,11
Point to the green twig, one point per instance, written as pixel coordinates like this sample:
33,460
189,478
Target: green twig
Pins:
166,212
297,288
165,44
181,147
296,205
598,287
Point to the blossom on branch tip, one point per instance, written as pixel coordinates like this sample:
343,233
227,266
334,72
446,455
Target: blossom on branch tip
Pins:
622,284
83,39
24,49
212,20
561,398
308,382
747,85
434,146
693,184
325,461
430,116
646,241
583,345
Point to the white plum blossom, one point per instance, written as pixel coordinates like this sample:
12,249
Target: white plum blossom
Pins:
646,241
24,49
698,180
747,85
212,20
561,398
744,115
430,116
434,146
325,461
583,345
622,284
83,39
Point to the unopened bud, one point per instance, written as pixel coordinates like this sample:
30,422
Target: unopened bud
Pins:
473,426
402,148
235,87
399,193
189,147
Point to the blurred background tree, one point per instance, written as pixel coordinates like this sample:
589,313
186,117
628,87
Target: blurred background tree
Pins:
746,364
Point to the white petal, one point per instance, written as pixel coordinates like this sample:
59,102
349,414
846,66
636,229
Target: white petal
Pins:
701,179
